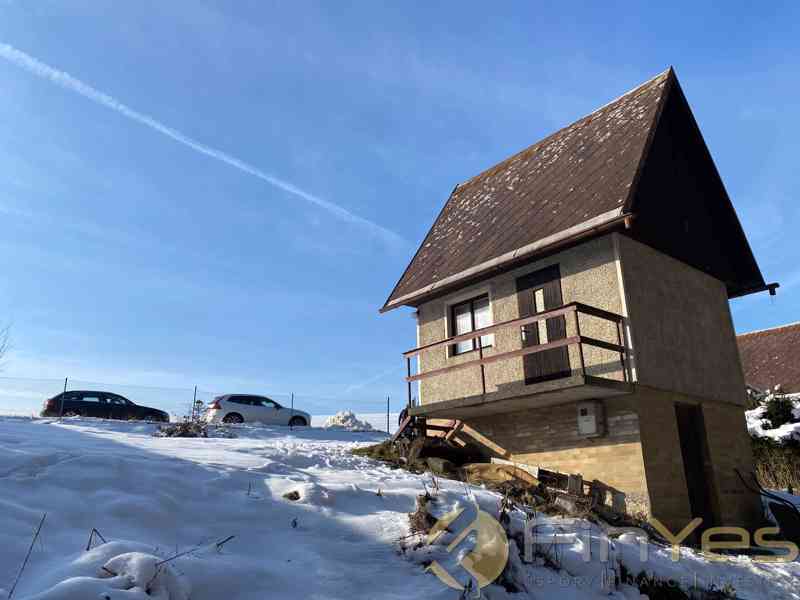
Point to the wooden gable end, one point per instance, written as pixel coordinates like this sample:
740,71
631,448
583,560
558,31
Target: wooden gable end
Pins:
680,204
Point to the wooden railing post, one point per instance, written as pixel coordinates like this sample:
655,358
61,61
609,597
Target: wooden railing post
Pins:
621,343
483,369
408,371
576,313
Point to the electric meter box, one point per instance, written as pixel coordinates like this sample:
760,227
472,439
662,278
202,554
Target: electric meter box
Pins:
591,419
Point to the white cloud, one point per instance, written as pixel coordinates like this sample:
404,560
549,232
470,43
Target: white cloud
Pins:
67,81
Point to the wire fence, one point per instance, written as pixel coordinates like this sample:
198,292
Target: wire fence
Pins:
22,396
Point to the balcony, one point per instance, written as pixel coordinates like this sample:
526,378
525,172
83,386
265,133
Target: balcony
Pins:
493,380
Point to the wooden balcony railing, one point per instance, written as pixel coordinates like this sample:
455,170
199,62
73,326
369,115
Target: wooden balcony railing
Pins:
573,310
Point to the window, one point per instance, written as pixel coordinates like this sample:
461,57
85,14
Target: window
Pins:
538,306
469,316
91,398
114,399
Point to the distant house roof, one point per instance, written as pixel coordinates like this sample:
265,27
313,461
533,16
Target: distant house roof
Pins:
772,357
579,181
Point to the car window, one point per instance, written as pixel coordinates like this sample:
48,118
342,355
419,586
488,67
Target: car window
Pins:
116,400
239,400
71,396
264,402
92,398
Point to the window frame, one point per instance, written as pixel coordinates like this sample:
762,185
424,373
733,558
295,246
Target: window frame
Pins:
451,317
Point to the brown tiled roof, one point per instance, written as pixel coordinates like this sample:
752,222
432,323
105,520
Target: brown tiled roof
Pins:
772,357
577,178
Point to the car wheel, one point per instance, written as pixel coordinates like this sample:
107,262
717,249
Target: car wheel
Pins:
152,417
233,418
72,413
298,422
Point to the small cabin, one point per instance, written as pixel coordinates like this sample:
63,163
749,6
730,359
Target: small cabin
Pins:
572,311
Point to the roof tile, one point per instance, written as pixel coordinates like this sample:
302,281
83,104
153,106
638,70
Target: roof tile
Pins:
578,173
772,357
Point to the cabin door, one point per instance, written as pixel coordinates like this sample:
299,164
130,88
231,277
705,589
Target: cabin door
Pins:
536,292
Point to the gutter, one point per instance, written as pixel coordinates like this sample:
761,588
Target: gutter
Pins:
599,224
767,287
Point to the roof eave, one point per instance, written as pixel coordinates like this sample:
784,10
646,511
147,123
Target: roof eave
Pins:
767,287
600,224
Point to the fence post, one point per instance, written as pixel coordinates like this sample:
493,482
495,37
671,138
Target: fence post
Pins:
194,404
387,416
61,409
291,414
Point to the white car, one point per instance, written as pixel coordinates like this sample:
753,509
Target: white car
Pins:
239,408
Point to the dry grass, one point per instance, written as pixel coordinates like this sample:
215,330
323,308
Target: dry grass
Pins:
777,463
421,521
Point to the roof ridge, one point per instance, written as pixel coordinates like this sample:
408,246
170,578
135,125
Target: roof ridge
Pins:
795,324
585,117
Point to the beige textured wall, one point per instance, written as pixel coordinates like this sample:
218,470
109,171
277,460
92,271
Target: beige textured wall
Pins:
588,274
683,336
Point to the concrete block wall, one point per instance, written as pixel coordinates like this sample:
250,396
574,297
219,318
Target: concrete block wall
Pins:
683,335
548,438
729,447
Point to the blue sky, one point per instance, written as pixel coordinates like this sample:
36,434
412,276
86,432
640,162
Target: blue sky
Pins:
322,141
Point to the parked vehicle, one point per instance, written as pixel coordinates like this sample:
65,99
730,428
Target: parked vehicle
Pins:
238,408
104,405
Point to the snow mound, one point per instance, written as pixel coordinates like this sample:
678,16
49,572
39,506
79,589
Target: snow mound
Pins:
757,426
347,421
132,575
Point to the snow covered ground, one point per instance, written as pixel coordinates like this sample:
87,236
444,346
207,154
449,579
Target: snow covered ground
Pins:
161,496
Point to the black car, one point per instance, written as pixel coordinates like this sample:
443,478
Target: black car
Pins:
104,405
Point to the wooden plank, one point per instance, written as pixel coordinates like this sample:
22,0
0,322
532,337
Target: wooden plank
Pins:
601,344
597,312
496,357
457,425
484,441
401,428
447,427
549,314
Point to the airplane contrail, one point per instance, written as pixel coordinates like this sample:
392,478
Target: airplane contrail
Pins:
67,81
